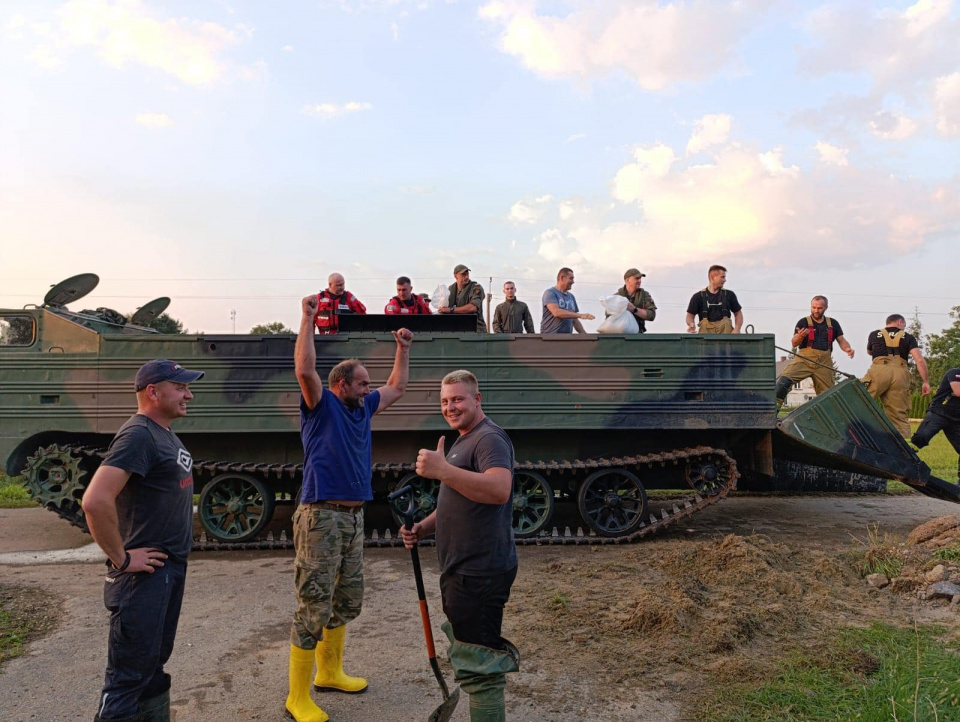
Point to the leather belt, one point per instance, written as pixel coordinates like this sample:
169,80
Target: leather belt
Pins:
343,508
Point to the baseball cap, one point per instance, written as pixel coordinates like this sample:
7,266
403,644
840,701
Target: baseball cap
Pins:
153,372
460,269
631,273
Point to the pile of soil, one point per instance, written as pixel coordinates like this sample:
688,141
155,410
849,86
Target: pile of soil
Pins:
689,616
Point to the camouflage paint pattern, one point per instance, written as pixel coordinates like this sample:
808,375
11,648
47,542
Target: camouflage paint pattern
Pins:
328,572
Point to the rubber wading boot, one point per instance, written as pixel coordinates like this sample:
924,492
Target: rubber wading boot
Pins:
300,705
481,672
783,388
133,718
330,675
156,709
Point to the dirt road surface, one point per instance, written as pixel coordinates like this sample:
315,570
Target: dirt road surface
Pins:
230,662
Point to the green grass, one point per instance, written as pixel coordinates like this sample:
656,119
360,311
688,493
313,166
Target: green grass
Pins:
13,495
878,554
873,674
949,554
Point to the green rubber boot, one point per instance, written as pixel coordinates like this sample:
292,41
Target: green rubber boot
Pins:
481,672
156,709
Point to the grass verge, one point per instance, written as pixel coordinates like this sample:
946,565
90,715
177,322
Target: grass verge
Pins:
873,674
26,613
13,495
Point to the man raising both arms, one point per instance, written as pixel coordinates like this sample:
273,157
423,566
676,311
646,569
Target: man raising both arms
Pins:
328,523
474,526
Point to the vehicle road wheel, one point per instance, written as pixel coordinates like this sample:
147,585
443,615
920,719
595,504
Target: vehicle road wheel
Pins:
612,502
425,493
709,476
235,507
54,477
532,504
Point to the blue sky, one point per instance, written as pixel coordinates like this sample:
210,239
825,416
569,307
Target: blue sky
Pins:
231,155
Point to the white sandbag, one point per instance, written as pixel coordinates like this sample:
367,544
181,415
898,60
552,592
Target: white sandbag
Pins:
440,298
619,319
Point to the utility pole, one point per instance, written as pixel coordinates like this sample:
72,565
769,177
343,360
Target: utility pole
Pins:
233,318
489,291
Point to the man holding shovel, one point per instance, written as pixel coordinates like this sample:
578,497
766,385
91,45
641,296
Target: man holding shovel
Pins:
328,523
474,527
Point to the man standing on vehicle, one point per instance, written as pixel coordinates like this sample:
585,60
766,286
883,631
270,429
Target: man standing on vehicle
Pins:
465,296
473,522
406,301
334,301
715,306
641,302
814,335
328,523
512,316
139,507
560,311
943,414
888,378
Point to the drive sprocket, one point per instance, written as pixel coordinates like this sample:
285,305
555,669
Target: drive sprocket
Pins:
53,477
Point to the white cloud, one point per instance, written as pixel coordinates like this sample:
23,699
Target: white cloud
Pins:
892,126
751,207
946,100
155,120
126,32
329,110
709,130
831,154
287,48
899,52
529,211
657,44
575,137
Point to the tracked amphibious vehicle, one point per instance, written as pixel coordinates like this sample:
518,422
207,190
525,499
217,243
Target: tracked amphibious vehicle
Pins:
596,420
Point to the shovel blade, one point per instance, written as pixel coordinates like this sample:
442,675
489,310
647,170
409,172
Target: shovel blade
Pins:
445,711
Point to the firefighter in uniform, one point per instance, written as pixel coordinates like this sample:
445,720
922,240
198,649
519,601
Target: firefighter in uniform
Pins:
641,302
888,378
406,301
814,335
718,309
943,414
333,302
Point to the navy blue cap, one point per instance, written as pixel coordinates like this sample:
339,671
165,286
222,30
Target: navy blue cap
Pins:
153,372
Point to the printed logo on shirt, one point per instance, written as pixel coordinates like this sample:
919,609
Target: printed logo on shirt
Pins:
184,460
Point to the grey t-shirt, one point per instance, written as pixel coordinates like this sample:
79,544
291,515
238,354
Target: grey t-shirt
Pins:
550,323
155,508
474,538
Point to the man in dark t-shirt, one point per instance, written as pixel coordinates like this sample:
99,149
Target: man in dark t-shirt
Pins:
474,527
888,378
718,309
813,338
139,507
943,414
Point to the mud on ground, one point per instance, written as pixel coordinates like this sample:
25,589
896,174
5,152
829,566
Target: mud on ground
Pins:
615,633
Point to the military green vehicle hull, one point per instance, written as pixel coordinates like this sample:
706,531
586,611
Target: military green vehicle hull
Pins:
595,420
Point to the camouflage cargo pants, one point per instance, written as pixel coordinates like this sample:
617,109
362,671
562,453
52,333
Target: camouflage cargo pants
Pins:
328,571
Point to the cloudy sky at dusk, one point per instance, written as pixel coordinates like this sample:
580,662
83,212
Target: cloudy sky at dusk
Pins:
232,154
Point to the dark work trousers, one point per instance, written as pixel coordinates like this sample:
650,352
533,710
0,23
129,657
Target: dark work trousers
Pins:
932,424
144,610
474,605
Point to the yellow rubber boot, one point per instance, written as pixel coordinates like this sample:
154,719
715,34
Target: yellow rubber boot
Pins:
300,705
330,674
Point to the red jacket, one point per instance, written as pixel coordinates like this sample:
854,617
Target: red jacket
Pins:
329,308
395,307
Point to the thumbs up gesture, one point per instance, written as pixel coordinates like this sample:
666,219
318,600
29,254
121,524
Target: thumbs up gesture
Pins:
432,464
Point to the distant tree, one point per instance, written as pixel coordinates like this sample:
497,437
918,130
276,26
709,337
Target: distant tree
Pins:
270,328
915,328
164,323
944,349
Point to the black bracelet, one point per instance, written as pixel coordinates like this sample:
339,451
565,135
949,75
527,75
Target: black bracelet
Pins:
122,567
